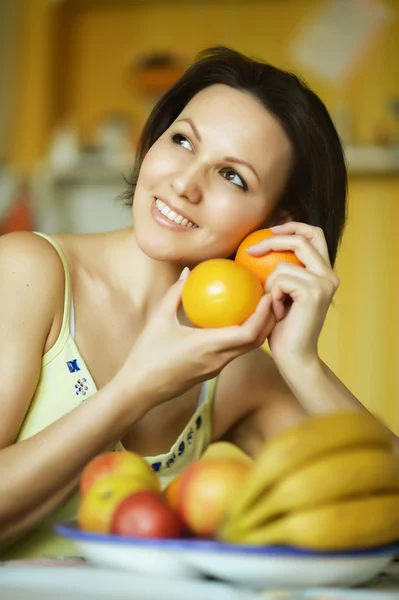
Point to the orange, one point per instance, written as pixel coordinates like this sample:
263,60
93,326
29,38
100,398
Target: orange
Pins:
262,266
172,492
220,293
99,503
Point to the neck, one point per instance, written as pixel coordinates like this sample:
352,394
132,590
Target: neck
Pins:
143,279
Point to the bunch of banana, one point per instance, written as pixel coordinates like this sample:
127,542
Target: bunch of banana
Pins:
331,483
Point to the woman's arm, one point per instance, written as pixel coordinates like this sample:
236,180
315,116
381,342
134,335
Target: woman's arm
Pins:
296,382
38,473
166,359
313,380
21,524
254,402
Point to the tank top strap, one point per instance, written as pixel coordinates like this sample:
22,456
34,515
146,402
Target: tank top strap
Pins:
65,327
207,409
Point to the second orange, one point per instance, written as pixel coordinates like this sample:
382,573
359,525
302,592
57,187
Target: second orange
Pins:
263,266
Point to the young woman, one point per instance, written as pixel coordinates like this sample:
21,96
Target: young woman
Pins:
93,354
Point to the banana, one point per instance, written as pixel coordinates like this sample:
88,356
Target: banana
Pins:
349,473
226,450
351,524
312,438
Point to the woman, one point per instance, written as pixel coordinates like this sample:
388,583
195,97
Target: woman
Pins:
92,353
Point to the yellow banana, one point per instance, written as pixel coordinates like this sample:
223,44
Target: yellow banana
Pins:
222,450
349,473
350,524
310,439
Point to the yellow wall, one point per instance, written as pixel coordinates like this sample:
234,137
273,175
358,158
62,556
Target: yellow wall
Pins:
33,111
360,338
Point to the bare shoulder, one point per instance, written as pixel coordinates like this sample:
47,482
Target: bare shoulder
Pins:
253,402
32,274
27,257
31,297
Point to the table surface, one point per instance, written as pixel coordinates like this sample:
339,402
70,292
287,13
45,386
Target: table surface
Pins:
70,579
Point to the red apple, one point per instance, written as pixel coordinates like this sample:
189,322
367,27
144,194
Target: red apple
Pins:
146,515
207,489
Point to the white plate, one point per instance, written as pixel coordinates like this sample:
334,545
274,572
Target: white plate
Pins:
252,566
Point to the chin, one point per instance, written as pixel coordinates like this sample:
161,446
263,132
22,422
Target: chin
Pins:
156,247
164,245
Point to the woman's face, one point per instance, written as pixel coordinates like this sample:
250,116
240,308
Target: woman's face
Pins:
213,177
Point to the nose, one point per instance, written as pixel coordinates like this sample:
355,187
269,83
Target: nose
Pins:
186,184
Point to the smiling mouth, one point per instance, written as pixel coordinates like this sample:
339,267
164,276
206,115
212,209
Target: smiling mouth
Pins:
172,215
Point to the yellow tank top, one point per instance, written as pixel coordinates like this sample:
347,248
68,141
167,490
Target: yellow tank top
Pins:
64,383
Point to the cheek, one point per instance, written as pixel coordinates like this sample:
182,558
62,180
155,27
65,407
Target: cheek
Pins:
233,219
156,164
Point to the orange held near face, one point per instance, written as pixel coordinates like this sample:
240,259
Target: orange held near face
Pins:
207,490
117,463
262,266
220,293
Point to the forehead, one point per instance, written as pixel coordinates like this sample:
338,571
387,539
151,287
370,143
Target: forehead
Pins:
233,118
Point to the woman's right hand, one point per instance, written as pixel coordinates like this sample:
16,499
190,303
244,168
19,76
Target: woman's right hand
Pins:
168,357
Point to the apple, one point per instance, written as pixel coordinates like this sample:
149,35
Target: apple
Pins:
207,489
98,504
146,515
117,463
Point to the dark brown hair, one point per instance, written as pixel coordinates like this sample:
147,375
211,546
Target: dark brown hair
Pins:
316,189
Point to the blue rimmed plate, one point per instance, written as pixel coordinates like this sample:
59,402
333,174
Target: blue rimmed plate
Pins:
252,566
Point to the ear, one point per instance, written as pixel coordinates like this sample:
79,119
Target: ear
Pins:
279,217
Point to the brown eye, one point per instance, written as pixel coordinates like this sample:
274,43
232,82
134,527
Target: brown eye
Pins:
235,178
181,140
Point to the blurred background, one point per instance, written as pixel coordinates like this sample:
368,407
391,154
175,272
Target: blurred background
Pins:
79,77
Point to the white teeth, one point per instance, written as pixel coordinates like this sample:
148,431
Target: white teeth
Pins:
172,215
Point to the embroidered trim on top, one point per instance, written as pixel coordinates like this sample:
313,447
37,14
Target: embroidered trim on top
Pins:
160,466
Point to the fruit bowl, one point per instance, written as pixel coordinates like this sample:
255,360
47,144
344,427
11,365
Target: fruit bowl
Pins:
254,567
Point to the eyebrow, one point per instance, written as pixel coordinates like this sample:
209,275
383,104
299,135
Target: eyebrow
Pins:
242,162
193,127
227,158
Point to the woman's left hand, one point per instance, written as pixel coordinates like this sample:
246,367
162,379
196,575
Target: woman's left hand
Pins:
300,296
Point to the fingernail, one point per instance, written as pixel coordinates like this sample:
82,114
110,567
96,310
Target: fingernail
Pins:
256,248
276,228
184,273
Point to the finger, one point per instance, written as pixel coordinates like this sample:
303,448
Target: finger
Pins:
267,329
309,256
230,338
278,306
284,268
263,335
315,235
317,291
172,299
